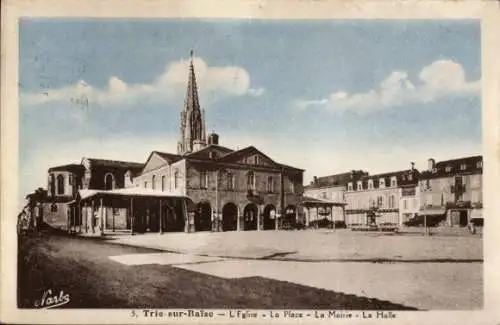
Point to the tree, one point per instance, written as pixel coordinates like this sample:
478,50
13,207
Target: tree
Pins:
38,196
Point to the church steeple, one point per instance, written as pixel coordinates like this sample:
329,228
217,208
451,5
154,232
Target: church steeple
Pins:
192,130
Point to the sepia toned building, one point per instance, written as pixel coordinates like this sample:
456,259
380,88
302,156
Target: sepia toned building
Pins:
64,183
204,186
451,190
380,193
330,188
241,189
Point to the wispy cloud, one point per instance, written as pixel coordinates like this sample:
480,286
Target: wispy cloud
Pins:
214,83
439,79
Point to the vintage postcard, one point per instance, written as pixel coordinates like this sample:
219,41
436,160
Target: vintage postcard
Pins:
271,162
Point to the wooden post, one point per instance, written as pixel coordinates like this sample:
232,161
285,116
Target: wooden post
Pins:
331,213
132,217
68,220
238,217
161,217
258,217
317,217
425,224
101,218
276,220
80,221
186,216
308,217
86,217
73,217
92,219
113,218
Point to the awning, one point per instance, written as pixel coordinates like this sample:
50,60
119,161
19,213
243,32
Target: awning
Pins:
132,192
314,202
432,212
476,214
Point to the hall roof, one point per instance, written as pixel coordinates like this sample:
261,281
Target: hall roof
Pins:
170,157
68,167
308,201
115,163
227,155
130,192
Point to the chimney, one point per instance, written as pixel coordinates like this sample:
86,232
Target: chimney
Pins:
315,179
431,163
213,139
412,166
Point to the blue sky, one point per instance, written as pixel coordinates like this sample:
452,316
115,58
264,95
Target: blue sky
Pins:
321,94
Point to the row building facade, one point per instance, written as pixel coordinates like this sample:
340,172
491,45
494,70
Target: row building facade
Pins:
448,193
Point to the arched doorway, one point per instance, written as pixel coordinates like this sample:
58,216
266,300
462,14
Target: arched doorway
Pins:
269,217
250,215
229,217
203,217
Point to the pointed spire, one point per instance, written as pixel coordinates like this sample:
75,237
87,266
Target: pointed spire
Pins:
192,102
193,123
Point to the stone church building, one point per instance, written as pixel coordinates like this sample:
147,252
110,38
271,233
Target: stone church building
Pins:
225,189
232,189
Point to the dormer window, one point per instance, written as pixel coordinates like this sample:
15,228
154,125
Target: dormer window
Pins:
349,187
448,169
394,182
109,182
381,183
479,164
410,177
463,167
434,170
370,184
360,186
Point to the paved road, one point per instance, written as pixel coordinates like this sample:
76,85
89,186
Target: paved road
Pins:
91,272
319,245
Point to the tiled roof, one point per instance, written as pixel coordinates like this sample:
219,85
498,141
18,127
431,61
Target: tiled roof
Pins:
68,167
449,168
337,179
115,163
170,157
242,152
204,153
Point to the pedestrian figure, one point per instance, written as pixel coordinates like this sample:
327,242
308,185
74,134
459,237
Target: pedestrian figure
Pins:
472,228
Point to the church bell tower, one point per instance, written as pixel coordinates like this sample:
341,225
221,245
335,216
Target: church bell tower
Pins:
193,136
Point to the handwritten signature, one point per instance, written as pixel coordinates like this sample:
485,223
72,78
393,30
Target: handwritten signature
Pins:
51,300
